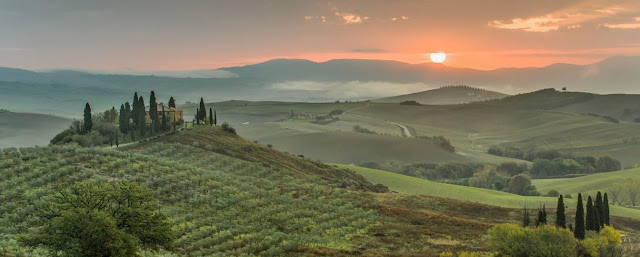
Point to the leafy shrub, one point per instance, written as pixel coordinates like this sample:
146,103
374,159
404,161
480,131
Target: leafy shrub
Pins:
411,102
226,127
553,193
359,129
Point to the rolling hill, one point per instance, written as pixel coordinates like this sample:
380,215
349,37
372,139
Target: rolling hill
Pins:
412,185
28,129
226,195
446,95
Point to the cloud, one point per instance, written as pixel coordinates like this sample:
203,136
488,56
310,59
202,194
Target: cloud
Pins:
535,24
351,89
368,50
337,16
593,12
631,25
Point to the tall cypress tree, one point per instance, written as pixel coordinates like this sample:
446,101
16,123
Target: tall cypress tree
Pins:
605,204
172,102
210,116
165,124
127,123
526,221
122,118
203,110
590,215
215,118
600,210
560,218
539,219
134,110
142,123
579,227
153,113
88,121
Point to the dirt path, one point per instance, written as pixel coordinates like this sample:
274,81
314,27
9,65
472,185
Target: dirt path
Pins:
405,130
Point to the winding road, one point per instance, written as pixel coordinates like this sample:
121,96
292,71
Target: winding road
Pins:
404,128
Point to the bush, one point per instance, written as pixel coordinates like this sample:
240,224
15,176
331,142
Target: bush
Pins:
410,103
226,127
359,129
513,240
553,193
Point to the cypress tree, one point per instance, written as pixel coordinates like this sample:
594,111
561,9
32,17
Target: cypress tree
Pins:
127,109
560,218
605,204
201,110
579,229
526,221
210,117
197,116
142,123
539,219
600,210
215,118
590,215
544,215
153,113
88,121
134,110
172,102
165,122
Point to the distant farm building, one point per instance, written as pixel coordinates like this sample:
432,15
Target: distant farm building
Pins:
305,116
170,112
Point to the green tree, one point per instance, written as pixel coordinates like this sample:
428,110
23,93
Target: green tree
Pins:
165,123
599,208
172,102
88,121
127,109
153,113
142,122
123,120
526,221
519,184
607,163
215,118
605,204
210,116
560,218
579,231
591,219
134,109
202,111
102,219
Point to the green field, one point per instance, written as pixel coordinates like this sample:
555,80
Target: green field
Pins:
587,184
531,121
411,185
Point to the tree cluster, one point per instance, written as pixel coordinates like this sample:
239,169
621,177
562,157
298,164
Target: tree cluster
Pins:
551,163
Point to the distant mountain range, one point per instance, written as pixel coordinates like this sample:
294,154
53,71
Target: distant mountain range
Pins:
613,75
62,91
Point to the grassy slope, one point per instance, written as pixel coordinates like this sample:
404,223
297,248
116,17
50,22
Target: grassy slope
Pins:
412,185
28,129
275,204
445,95
587,184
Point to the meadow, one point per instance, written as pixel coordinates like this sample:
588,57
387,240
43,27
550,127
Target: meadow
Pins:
411,185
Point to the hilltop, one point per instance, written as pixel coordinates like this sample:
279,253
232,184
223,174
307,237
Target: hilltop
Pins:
29,129
229,196
446,95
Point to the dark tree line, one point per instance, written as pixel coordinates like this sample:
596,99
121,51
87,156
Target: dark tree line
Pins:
597,215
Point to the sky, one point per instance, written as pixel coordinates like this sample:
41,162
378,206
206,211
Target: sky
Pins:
119,35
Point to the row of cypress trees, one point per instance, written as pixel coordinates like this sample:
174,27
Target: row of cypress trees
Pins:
132,116
597,215
201,114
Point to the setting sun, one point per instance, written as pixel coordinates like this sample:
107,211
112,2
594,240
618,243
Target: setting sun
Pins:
438,57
